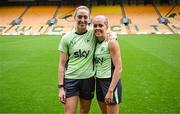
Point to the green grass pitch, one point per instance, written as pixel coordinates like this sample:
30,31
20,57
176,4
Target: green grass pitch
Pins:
151,74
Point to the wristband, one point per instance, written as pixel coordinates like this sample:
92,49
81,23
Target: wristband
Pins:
60,86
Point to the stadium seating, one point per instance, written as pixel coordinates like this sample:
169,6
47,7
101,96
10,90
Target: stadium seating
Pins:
65,17
172,14
114,15
143,19
38,15
7,14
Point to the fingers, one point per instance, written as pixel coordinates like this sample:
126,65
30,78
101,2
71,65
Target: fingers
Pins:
108,100
112,35
108,34
63,99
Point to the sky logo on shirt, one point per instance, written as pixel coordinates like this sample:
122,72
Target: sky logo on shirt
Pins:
81,53
99,60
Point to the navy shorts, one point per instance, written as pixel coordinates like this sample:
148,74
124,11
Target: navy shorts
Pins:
102,86
84,88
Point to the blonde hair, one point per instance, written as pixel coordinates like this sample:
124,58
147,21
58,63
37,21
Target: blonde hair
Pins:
104,18
109,35
80,7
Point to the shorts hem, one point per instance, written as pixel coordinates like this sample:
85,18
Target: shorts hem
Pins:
86,98
71,96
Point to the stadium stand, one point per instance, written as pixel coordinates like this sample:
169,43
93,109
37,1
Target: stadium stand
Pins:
130,17
38,15
173,15
65,16
7,14
114,15
144,19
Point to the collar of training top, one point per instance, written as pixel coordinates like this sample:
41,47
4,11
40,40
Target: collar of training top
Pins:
81,33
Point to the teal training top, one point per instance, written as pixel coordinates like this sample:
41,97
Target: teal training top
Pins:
104,65
80,50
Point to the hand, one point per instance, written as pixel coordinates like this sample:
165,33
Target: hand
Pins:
111,35
62,95
109,97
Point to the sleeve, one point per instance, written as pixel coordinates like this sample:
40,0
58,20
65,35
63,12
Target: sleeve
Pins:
63,46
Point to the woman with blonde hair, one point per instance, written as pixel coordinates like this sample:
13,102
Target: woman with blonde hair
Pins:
108,68
76,69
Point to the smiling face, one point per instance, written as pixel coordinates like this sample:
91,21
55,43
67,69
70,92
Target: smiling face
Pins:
100,25
81,17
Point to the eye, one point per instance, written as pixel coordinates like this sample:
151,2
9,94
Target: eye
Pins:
100,25
95,25
85,17
79,16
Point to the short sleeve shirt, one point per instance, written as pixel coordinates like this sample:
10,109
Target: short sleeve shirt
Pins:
80,50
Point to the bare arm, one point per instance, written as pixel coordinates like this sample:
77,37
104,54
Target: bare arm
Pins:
116,59
62,62
61,70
